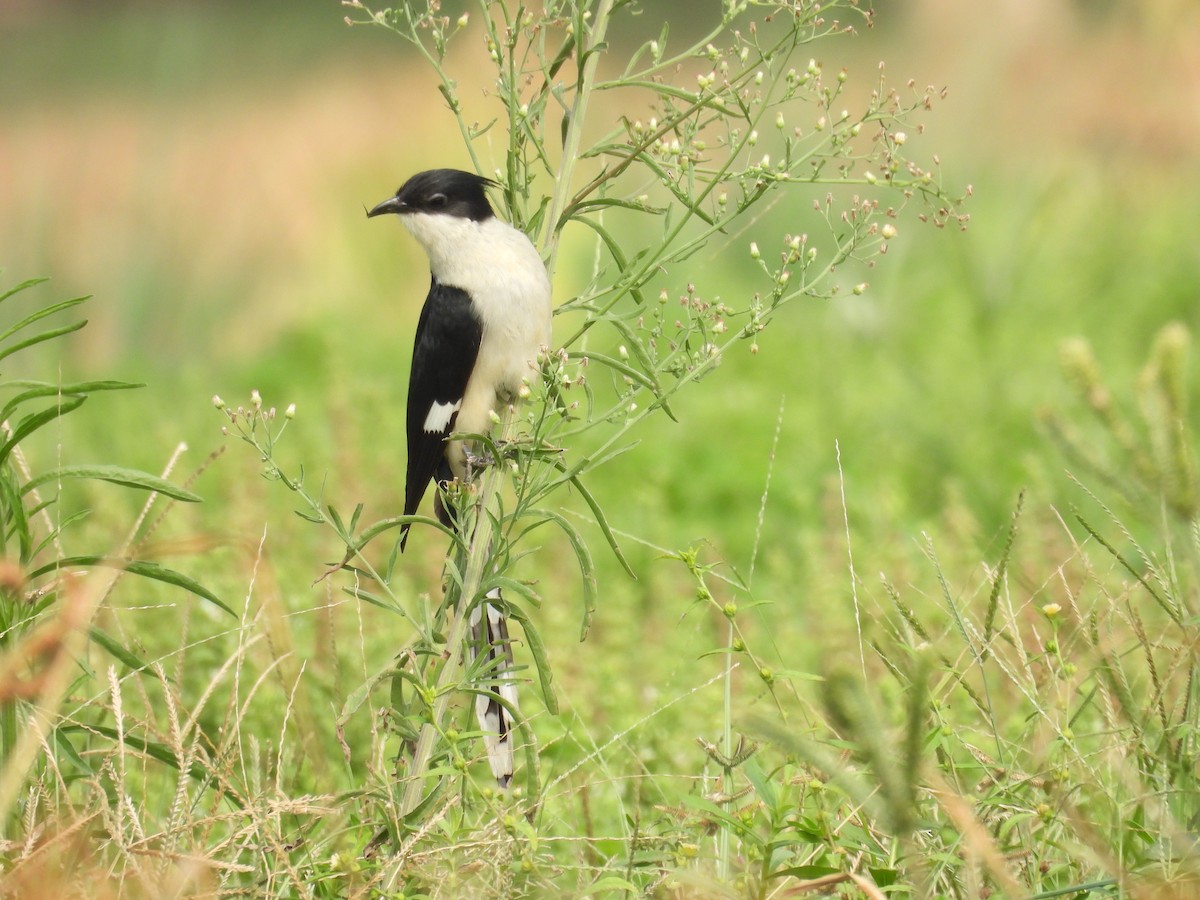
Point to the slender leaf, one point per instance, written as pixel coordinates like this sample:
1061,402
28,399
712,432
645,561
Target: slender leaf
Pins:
116,475
142,568
34,421
587,568
41,314
28,283
40,338
64,743
105,640
538,650
601,519
38,389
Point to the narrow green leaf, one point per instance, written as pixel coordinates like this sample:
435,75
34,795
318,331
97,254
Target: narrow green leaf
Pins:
116,475
28,283
639,350
366,596
140,567
110,644
614,249
601,519
763,786
587,568
41,314
34,421
538,650
15,514
40,338
38,389
373,531
358,696
64,743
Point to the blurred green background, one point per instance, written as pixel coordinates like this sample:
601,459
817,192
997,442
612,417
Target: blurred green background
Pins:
202,170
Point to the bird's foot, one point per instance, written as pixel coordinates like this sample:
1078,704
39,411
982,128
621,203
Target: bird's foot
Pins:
477,462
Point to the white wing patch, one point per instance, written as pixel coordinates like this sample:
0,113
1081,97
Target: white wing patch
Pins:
439,416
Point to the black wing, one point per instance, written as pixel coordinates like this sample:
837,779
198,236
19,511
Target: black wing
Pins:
448,336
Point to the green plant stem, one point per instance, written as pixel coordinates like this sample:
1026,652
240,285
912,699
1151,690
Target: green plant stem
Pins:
478,559
727,749
578,115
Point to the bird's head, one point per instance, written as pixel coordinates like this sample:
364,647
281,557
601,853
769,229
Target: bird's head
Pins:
440,192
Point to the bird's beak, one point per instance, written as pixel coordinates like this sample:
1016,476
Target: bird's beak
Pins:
390,205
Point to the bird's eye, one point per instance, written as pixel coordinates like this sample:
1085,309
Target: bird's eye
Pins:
437,201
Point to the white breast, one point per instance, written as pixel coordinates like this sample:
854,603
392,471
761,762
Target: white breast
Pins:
500,269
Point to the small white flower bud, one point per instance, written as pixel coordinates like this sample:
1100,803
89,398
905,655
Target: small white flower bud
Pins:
888,231
463,19
900,137
622,352
870,178
654,49
758,77
290,412
523,391
494,417
218,402
779,123
754,254
860,289
256,399
821,123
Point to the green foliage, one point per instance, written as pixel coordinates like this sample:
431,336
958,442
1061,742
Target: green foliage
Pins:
683,181
44,601
1008,711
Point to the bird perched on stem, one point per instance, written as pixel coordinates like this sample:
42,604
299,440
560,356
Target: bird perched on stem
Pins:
484,323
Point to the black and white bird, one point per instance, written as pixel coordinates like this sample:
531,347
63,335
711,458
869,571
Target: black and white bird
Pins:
483,326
